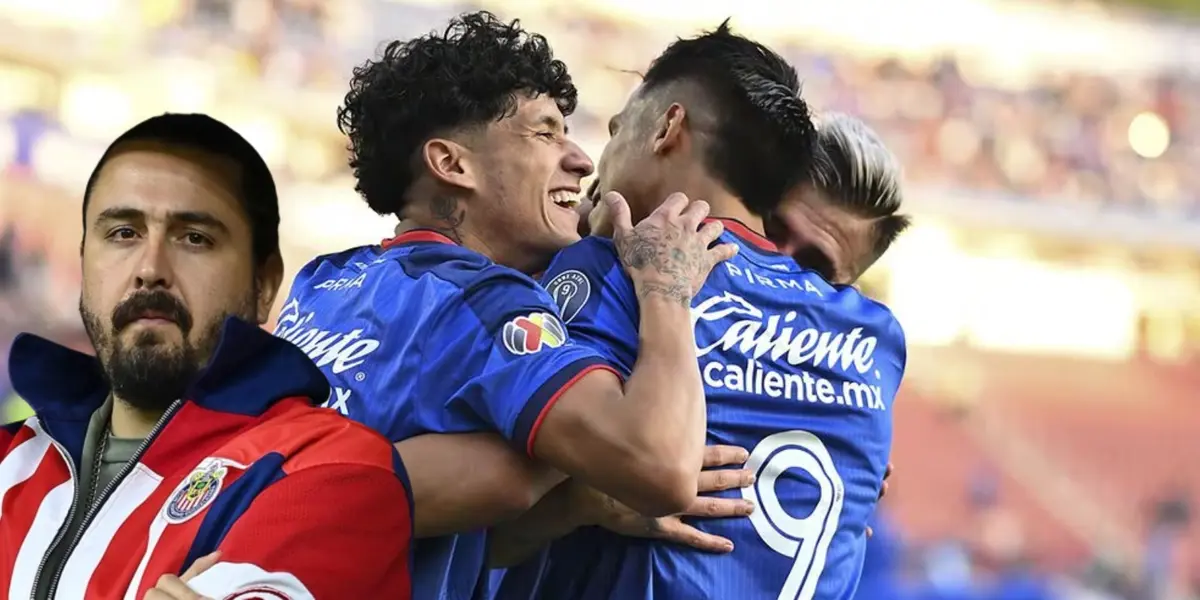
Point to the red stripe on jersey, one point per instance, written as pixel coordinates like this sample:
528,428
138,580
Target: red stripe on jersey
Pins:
416,235
17,513
537,424
748,235
196,432
124,553
22,435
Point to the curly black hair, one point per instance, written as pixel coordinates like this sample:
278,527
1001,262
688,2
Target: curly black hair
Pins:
467,75
765,141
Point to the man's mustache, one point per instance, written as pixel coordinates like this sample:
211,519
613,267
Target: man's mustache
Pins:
156,304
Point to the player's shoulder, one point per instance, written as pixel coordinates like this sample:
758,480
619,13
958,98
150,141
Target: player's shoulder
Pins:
578,264
592,255
492,293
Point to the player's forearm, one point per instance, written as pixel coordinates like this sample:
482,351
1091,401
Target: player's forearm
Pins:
553,517
642,443
665,397
470,481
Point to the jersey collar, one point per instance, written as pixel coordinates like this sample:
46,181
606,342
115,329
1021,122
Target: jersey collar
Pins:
733,226
249,370
414,236
746,234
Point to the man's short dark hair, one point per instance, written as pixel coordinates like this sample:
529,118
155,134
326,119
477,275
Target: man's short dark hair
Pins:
764,139
857,172
467,75
202,132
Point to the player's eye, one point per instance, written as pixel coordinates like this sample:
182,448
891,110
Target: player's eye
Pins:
549,135
195,238
122,233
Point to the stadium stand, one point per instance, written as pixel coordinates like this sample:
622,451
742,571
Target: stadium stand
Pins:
1050,290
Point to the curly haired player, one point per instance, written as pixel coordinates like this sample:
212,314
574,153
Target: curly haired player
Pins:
439,330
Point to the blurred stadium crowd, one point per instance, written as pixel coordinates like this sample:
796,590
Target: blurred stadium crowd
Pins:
1046,440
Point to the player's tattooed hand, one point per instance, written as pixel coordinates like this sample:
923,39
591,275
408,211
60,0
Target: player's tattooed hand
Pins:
668,253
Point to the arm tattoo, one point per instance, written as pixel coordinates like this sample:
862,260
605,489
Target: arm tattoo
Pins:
643,248
449,216
678,293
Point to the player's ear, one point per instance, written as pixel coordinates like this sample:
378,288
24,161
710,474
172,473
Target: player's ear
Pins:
668,130
267,279
449,162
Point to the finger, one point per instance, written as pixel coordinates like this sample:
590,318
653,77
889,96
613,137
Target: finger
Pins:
719,508
888,472
674,530
711,231
883,490
599,221
695,213
721,253
720,456
619,215
201,565
870,532
672,206
175,588
725,479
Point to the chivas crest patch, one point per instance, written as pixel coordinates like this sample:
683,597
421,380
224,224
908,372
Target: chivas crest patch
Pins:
196,492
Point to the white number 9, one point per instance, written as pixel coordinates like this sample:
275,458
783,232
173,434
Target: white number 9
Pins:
804,540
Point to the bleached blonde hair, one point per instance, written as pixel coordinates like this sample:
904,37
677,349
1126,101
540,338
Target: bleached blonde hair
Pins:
856,171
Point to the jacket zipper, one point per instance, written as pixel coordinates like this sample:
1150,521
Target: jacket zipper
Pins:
62,529
95,507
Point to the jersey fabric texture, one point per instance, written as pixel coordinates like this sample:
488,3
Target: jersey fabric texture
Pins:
420,335
301,502
801,373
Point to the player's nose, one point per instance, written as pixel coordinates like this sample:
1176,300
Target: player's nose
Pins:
576,161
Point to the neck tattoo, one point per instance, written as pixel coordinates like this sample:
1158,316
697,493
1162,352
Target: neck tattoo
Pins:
449,217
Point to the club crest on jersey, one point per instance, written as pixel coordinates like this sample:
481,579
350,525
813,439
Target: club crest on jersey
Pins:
196,492
571,291
258,593
527,334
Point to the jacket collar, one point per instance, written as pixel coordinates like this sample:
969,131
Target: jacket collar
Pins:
249,370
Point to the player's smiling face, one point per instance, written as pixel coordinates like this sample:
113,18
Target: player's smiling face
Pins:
532,177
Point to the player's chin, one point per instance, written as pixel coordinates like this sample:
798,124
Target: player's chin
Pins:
564,224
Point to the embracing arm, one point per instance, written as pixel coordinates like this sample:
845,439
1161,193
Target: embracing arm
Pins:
642,444
468,481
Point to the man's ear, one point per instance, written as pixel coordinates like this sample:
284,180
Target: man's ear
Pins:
266,282
669,129
449,162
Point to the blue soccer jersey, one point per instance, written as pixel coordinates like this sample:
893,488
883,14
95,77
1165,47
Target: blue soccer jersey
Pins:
801,373
423,336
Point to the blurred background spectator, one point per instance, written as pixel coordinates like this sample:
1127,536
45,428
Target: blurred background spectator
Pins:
1048,435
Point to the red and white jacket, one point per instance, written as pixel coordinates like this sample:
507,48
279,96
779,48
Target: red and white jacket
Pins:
301,502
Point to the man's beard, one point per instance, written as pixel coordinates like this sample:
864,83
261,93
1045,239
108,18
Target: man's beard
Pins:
149,373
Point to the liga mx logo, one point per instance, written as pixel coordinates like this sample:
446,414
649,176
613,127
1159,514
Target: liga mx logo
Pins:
196,492
530,333
571,291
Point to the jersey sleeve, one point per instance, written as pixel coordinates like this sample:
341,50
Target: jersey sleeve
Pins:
596,299
528,358
329,531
